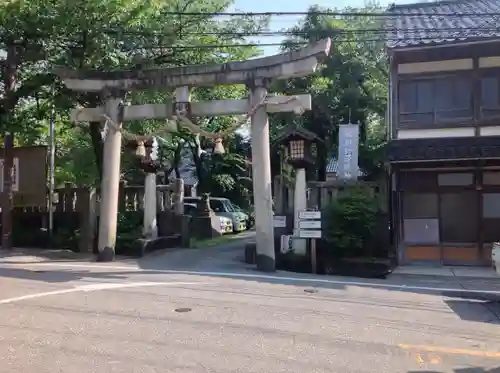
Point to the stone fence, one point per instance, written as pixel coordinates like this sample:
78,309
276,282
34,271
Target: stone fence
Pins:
76,209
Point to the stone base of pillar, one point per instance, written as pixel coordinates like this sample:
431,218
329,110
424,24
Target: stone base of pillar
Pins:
265,263
106,255
250,253
204,227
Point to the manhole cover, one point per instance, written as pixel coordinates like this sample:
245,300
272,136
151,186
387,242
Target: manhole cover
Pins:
310,290
182,309
40,271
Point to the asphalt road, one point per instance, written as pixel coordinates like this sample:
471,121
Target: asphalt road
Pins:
164,315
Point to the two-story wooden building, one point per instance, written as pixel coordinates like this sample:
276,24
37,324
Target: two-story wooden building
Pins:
444,114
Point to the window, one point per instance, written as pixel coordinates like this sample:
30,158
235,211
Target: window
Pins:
490,96
421,231
420,205
420,218
216,205
228,206
459,222
416,100
435,99
417,180
236,208
190,209
491,217
453,97
491,205
456,179
491,178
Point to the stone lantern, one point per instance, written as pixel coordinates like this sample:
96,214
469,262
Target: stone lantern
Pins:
301,149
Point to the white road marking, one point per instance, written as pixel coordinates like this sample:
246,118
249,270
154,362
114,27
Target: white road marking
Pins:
266,277
90,288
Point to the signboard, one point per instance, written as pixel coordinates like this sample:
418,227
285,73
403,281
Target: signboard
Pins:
309,215
15,175
29,175
309,234
348,151
279,221
310,224
286,244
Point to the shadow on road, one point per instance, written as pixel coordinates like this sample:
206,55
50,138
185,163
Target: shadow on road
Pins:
469,300
462,370
481,308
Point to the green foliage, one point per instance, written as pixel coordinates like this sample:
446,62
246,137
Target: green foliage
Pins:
350,85
129,230
349,221
105,35
227,175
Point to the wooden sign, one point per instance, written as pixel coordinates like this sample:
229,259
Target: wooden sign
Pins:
309,233
309,215
310,224
15,175
279,221
29,175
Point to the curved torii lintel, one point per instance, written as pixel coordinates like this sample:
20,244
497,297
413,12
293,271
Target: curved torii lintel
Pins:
301,62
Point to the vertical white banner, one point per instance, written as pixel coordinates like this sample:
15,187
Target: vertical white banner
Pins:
348,151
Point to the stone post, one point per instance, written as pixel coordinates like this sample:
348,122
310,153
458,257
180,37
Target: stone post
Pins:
150,229
110,181
178,197
262,188
299,204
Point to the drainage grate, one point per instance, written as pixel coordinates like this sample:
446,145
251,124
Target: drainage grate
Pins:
310,290
182,310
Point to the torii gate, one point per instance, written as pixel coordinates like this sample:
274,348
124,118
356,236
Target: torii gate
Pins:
256,74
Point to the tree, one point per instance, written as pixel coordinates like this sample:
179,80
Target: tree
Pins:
106,34
351,84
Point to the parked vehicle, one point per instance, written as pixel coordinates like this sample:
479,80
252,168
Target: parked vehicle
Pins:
224,207
250,221
226,224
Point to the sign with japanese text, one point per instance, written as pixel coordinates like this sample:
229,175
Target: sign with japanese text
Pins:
29,175
348,151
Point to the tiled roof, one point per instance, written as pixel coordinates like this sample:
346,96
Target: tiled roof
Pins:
440,22
333,167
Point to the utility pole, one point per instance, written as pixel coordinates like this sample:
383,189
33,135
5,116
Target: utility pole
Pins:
7,200
52,150
11,64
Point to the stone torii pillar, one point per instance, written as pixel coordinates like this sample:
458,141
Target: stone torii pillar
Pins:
110,184
256,74
261,179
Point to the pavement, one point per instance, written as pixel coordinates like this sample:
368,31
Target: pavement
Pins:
449,271
206,311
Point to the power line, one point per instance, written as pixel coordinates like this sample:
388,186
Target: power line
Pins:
283,44
328,13
331,33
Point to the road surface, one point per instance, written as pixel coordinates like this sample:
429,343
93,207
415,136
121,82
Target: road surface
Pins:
204,311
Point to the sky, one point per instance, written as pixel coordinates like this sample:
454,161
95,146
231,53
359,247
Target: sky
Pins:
286,22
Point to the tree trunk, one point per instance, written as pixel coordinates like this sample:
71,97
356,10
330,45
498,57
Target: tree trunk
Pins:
97,145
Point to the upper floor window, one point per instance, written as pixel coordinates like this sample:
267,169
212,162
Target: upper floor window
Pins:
490,95
435,99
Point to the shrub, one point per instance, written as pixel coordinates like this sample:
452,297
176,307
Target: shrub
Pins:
349,222
129,230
